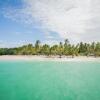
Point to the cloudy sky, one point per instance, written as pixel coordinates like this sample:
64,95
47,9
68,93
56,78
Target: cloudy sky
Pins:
25,21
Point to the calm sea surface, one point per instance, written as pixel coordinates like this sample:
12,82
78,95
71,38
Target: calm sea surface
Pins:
40,80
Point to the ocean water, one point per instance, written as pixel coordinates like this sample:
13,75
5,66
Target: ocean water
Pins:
49,80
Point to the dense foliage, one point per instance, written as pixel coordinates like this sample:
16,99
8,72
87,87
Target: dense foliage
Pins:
66,49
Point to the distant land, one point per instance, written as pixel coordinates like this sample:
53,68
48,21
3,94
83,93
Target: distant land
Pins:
60,49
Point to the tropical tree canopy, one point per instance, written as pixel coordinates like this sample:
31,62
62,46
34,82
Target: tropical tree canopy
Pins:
66,49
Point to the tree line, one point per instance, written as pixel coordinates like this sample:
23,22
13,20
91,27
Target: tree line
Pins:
66,49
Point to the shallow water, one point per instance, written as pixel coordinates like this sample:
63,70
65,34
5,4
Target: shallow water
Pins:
40,80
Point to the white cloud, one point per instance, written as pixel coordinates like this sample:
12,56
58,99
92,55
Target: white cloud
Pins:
74,19
50,42
67,17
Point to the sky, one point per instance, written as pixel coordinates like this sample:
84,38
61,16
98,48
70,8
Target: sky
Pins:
50,21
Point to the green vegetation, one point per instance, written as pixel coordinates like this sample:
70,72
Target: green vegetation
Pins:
66,49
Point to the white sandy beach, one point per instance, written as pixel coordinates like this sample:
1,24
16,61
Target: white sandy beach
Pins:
45,58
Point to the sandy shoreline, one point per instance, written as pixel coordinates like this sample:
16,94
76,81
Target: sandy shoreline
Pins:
45,58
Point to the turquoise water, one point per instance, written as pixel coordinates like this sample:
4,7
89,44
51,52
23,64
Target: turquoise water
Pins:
40,80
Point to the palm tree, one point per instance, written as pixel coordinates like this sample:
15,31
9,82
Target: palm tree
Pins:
66,47
61,49
37,46
54,50
66,42
45,50
84,49
97,49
